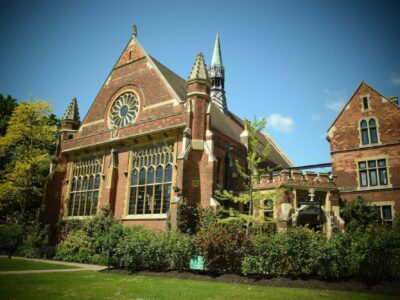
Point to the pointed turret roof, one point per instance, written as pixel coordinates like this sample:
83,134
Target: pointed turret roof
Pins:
199,69
72,112
217,57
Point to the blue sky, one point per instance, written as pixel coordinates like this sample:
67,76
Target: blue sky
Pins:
294,62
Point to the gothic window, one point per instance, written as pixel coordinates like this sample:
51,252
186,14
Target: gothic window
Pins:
124,110
85,187
151,180
369,133
372,173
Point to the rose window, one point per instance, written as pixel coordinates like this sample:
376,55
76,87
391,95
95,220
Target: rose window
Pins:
124,110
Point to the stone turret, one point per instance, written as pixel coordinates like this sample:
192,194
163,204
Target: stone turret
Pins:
70,122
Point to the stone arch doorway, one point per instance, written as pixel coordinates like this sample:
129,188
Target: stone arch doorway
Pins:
313,216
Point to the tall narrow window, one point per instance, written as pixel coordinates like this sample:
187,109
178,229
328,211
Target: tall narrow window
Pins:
151,180
372,173
85,187
364,132
365,102
372,131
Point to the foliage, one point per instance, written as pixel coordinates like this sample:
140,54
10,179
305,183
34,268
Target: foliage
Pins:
7,106
11,236
372,254
223,250
143,248
358,214
255,169
29,141
188,218
36,243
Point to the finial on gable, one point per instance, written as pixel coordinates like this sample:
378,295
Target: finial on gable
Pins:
134,31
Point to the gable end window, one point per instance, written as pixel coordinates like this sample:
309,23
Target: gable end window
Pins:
372,173
369,133
365,103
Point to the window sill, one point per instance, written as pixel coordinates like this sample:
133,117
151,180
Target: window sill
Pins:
372,188
78,217
145,217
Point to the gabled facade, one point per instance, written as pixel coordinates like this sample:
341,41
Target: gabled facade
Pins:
149,140
365,148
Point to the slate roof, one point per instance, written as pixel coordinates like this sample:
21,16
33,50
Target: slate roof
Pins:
177,83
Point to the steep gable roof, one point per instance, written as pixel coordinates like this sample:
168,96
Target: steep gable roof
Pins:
351,98
176,82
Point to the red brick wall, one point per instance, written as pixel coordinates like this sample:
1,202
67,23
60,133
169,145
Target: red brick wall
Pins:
345,146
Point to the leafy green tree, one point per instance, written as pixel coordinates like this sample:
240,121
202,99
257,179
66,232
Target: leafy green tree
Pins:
29,141
11,236
255,169
7,106
358,214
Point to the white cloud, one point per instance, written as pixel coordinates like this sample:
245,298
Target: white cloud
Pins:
315,117
280,123
335,100
395,78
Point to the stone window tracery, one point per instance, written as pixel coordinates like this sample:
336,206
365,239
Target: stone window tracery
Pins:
85,187
369,133
124,110
151,180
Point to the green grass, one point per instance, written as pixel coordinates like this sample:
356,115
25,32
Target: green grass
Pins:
22,265
95,285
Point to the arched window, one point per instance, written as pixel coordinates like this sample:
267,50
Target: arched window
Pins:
369,133
372,131
150,187
364,132
85,187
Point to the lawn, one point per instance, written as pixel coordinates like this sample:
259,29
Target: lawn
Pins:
96,285
21,265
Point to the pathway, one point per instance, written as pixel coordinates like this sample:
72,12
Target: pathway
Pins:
79,267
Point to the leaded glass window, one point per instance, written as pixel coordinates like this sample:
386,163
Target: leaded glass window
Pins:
373,173
85,187
369,133
124,110
151,180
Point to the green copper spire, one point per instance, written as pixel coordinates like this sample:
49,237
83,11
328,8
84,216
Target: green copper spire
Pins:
217,57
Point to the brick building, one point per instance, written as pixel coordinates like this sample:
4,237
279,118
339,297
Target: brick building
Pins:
365,149
149,139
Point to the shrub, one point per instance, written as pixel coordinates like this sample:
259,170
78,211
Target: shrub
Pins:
223,250
358,214
188,218
76,247
36,243
11,236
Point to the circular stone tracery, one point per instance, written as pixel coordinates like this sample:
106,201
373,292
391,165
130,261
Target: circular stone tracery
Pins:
124,110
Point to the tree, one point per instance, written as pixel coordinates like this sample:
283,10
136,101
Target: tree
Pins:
28,143
11,236
358,214
7,106
255,169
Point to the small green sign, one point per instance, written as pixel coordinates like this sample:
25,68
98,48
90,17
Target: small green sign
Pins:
197,262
